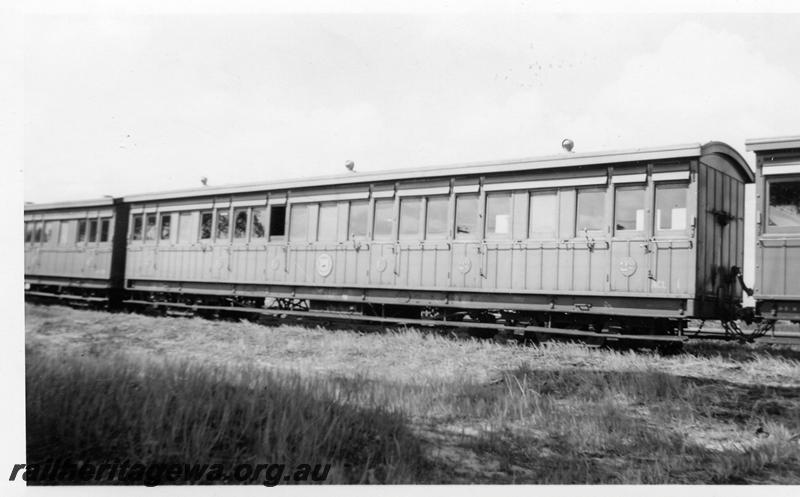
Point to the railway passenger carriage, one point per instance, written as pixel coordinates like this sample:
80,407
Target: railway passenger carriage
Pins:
70,249
777,286
598,240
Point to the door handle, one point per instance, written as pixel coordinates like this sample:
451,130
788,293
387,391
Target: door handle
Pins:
396,250
484,251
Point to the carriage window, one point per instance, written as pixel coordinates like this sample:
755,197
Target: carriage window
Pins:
328,222
384,219
298,223
590,213
784,205
81,230
466,217
629,209
257,229
93,230
185,233
498,215
436,218
359,212
240,223
136,232
28,232
410,209
166,225
150,227
105,226
49,232
223,222
277,220
37,232
64,231
544,214
206,220
671,206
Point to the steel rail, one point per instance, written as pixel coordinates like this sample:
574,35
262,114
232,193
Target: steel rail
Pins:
62,296
516,329
777,338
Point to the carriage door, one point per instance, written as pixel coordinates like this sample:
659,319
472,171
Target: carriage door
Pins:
497,251
149,248
778,249
408,264
631,245
468,250
221,249
671,250
383,251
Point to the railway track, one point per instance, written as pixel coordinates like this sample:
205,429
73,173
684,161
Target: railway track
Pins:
357,320
497,330
773,337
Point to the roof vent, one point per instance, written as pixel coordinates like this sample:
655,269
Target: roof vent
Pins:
567,144
350,165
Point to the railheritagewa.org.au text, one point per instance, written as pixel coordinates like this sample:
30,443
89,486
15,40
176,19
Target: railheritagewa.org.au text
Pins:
56,472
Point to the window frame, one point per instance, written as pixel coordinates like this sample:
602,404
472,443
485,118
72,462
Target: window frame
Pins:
284,222
776,230
234,217
160,230
671,232
475,235
630,233
498,236
350,234
217,212
420,220
211,228
251,236
29,228
50,241
556,214
192,237
603,230
147,217
326,206
445,235
104,221
132,238
93,222
390,201
38,232
81,238
303,235
64,238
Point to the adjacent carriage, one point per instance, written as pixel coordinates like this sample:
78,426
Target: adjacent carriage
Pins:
600,241
777,285
76,250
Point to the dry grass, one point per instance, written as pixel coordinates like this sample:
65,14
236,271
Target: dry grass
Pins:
101,409
445,410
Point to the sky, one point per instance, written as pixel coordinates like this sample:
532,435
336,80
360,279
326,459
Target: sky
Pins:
116,104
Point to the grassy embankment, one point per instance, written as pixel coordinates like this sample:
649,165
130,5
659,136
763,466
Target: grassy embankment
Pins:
406,407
